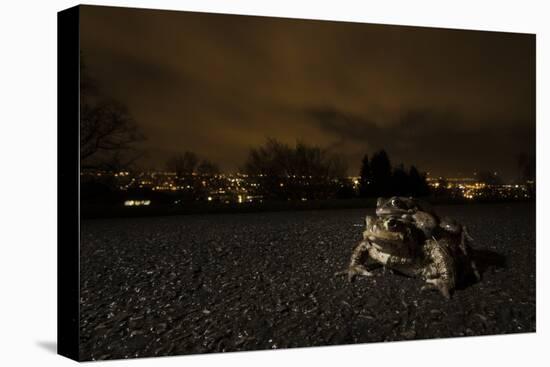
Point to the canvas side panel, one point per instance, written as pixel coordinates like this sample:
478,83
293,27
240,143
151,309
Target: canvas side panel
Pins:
68,176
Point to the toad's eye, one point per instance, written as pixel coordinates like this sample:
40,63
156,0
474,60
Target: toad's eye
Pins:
392,223
397,203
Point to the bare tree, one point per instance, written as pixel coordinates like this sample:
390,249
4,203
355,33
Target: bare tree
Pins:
108,132
207,167
298,172
107,135
273,159
280,160
183,164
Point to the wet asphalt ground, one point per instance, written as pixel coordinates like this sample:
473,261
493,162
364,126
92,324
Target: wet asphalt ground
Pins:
236,282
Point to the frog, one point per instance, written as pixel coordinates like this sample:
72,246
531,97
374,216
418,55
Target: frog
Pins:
418,212
401,206
457,239
450,232
401,246
411,210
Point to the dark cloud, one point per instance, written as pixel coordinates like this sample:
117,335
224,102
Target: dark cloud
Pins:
439,140
450,101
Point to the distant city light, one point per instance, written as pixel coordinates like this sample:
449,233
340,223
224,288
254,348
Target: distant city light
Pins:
137,202
242,188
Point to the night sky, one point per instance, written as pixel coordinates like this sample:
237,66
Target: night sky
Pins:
452,102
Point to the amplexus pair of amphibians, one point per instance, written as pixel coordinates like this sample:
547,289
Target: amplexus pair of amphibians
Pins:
407,236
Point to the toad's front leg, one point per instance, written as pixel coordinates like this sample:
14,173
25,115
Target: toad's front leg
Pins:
356,266
440,274
466,248
439,284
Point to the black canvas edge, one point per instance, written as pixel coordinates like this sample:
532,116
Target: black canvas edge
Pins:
68,182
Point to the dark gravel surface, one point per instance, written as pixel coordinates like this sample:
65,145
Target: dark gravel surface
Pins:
230,282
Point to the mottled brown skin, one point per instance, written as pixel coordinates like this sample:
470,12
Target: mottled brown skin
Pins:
388,242
458,243
417,212
411,244
409,210
440,271
400,205
401,247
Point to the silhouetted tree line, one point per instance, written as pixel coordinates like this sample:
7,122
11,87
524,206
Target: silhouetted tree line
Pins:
489,178
378,178
109,137
188,163
295,172
191,171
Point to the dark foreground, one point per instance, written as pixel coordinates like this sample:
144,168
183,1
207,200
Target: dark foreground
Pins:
229,282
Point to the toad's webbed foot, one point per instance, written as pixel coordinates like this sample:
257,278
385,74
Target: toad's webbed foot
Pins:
355,270
439,285
477,275
355,267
